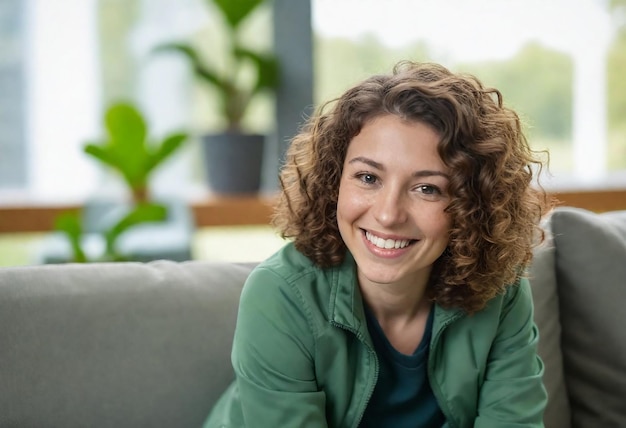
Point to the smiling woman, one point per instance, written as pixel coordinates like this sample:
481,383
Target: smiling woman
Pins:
412,216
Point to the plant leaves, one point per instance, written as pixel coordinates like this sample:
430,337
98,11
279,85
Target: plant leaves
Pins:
116,158
169,145
69,224
234,96
127,150
235,11
199,67
266,66
141,213
127,131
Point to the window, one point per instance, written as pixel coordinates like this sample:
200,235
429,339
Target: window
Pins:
13,90
559,63
62,63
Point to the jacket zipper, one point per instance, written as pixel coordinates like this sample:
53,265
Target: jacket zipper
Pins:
443,404
370,392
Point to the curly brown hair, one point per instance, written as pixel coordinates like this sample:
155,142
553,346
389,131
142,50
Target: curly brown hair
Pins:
494,207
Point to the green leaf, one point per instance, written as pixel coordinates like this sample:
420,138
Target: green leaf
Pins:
235,11
111,155
102,153
199,67
131,162
142,213
125,150
266,66
169,145
125,124
69,224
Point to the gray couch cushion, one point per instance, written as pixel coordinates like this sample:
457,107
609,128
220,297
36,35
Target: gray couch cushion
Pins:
543,282
116,345
591,273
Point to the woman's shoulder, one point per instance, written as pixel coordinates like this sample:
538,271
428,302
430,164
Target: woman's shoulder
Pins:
514,303
287,261
285,266
285,272
290,283
517,294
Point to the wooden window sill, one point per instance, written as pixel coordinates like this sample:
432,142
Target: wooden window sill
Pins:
233,211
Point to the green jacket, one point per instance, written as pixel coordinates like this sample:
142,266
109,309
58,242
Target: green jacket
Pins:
303,356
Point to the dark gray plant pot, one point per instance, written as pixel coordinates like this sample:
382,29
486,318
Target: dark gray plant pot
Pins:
233,162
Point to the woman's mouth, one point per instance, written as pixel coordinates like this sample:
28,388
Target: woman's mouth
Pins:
387,244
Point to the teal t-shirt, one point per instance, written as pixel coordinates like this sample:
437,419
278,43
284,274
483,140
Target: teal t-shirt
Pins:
402,396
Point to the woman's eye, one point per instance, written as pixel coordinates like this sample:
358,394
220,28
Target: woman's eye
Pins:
368,178
427,189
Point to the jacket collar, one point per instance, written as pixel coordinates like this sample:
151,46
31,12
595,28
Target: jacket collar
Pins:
346,302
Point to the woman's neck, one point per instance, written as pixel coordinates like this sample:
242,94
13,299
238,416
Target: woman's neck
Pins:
396,303
402,316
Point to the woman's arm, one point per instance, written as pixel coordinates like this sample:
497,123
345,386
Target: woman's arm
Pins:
273,353
513,394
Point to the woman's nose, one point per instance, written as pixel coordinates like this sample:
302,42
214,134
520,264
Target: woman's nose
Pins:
390,207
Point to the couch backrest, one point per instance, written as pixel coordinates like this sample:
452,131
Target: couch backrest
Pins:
116,345
546,300
590,267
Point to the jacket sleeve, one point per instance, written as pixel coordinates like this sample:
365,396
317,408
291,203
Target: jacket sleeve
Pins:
512,394
273,352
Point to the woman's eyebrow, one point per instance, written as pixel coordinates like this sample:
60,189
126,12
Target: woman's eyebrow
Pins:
430,173
367,161
381,167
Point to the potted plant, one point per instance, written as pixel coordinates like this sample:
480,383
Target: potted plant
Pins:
128,151
233,158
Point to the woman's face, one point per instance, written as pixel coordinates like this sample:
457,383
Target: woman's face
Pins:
392,196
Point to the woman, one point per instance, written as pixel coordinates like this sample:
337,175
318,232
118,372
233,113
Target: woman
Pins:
400,301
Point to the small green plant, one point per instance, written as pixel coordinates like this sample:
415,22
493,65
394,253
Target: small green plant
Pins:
128,151
70,224
234,92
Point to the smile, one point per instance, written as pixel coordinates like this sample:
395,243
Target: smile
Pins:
387,243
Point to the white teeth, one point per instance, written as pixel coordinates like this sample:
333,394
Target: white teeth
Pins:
386,243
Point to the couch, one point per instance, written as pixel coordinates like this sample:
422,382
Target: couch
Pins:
148,344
